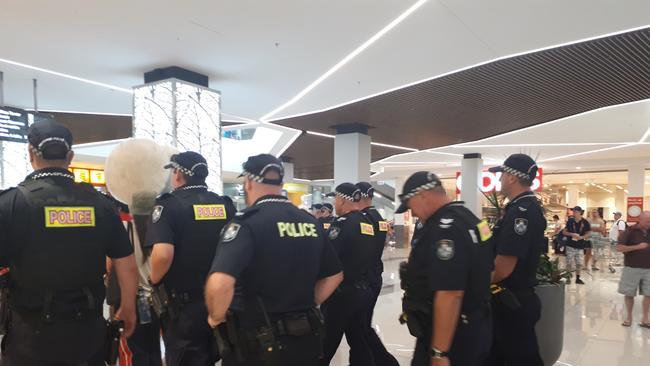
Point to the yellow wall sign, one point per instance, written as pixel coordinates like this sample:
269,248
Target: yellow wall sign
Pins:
383,226
92,176
97,177
209,212
367,229
69,217
81,175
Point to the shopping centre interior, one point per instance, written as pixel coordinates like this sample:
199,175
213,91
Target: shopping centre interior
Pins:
359,91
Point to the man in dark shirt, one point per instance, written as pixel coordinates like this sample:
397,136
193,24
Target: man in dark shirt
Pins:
519,240
636,274
578,231
273,265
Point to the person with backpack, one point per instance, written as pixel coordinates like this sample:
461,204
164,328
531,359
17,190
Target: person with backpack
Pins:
618,227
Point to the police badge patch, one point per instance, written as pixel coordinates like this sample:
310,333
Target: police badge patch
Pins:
157,212
230,233
334,233
445,249
521,225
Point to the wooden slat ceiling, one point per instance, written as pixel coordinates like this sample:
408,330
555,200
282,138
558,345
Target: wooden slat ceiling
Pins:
487,100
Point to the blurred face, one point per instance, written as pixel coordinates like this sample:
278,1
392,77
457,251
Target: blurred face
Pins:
507,181
248,185
617,216
577,215
316,212
338,203
426,203
644,220
325,213
178,180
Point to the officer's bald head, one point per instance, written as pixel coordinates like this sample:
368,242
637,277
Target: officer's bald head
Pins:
254,189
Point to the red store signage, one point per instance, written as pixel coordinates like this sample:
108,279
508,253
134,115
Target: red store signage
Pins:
491,182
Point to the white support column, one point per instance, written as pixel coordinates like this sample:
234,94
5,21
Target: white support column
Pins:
573,192
472,173
351,154
288,171
636,180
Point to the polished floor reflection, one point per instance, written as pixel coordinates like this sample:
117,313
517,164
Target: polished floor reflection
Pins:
593,333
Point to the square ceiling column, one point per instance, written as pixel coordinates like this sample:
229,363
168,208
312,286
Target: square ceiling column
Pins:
351,154
181,114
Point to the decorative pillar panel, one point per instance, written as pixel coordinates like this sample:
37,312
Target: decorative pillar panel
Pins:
183,115
471,171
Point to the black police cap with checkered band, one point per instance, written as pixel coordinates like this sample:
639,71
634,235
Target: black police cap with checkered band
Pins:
520,165
416,183
50,140
257,166
367,191
189,163
347,191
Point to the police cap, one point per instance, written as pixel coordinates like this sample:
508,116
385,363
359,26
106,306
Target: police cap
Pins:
316,206
50,140
519,165
189,163
328,206
366,189
257,166
416,183
347,191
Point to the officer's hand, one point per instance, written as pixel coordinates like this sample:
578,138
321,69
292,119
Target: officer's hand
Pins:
127,314
440,361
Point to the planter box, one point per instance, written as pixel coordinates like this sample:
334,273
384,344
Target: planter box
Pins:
550,328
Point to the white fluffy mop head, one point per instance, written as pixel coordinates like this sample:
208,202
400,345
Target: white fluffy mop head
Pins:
136,166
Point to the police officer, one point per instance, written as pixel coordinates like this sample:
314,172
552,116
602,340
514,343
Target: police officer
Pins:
316,210
348,311
55,236
182,226
519,240
447,277
326,217
273,265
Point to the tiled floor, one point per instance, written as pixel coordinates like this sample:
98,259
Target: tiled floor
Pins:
593,332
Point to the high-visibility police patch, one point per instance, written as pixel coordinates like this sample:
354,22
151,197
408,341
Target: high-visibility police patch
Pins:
209,212
60,217
367,229
157,213
334,233
484,230
326,225
383,226
445,249
230,233
521,226
297,229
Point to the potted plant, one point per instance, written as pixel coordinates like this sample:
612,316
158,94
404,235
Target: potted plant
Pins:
550,328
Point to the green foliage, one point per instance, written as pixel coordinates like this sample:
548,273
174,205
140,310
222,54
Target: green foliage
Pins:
549,271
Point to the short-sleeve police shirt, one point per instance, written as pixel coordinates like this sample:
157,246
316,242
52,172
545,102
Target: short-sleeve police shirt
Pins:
521,234
452,253
276,252
190,219
353,237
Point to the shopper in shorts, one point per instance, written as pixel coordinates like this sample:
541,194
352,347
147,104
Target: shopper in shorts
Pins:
597,234
577,231
636,273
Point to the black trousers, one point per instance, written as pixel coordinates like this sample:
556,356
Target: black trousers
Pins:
296,351
470,347
379,352
515,340
30,342
144,344
347,311
188,338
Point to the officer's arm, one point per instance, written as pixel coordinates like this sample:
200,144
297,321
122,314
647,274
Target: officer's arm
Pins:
219,292
325,287
162,257
446,310
503,267
127,277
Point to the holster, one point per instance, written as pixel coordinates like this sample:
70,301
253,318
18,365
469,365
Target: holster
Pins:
227,338
416,315
505,297
163,304
114,330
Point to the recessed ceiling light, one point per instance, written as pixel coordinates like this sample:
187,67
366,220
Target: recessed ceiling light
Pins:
570,181
563,186
619,187
578,167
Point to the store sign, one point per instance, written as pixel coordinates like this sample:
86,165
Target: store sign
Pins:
92,176
491,182
634,208
13,124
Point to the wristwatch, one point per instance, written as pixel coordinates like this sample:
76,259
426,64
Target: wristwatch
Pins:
436,353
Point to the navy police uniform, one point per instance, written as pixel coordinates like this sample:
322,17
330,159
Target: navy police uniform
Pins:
520,233
381,355
348,309
55,236
450,252
189,218
327,220
277,253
